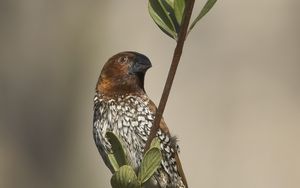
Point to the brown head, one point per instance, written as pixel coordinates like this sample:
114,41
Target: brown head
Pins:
123,73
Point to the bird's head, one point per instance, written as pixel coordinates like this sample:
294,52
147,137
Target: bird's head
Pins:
123,73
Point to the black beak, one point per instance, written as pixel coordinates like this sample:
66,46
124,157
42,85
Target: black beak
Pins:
141,64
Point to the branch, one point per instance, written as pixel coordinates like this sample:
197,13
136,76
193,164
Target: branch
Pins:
176,58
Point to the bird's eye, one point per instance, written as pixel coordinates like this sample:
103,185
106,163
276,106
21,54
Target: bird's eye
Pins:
123,59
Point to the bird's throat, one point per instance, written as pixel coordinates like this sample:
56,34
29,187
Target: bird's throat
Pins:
119,87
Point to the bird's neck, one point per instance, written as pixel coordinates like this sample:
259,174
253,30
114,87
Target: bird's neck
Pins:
117,88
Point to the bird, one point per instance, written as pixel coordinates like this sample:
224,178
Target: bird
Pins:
122,106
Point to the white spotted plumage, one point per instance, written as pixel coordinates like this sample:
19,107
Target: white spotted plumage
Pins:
131,119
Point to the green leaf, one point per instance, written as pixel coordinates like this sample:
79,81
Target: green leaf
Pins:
155,143
150,163
171,3
179,6
208,5
113,162
118,156
125,177
161,17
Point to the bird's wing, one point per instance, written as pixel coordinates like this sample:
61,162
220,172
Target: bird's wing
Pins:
100,142
164,128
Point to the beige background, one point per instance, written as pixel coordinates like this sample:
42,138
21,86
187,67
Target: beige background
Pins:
235,104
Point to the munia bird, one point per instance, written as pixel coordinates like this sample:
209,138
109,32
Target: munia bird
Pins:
122,106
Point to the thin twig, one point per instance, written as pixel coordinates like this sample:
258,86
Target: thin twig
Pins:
172,71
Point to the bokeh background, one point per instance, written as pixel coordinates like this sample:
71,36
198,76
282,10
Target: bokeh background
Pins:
235,104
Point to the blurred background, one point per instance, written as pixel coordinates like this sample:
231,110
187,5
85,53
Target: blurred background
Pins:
235,104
